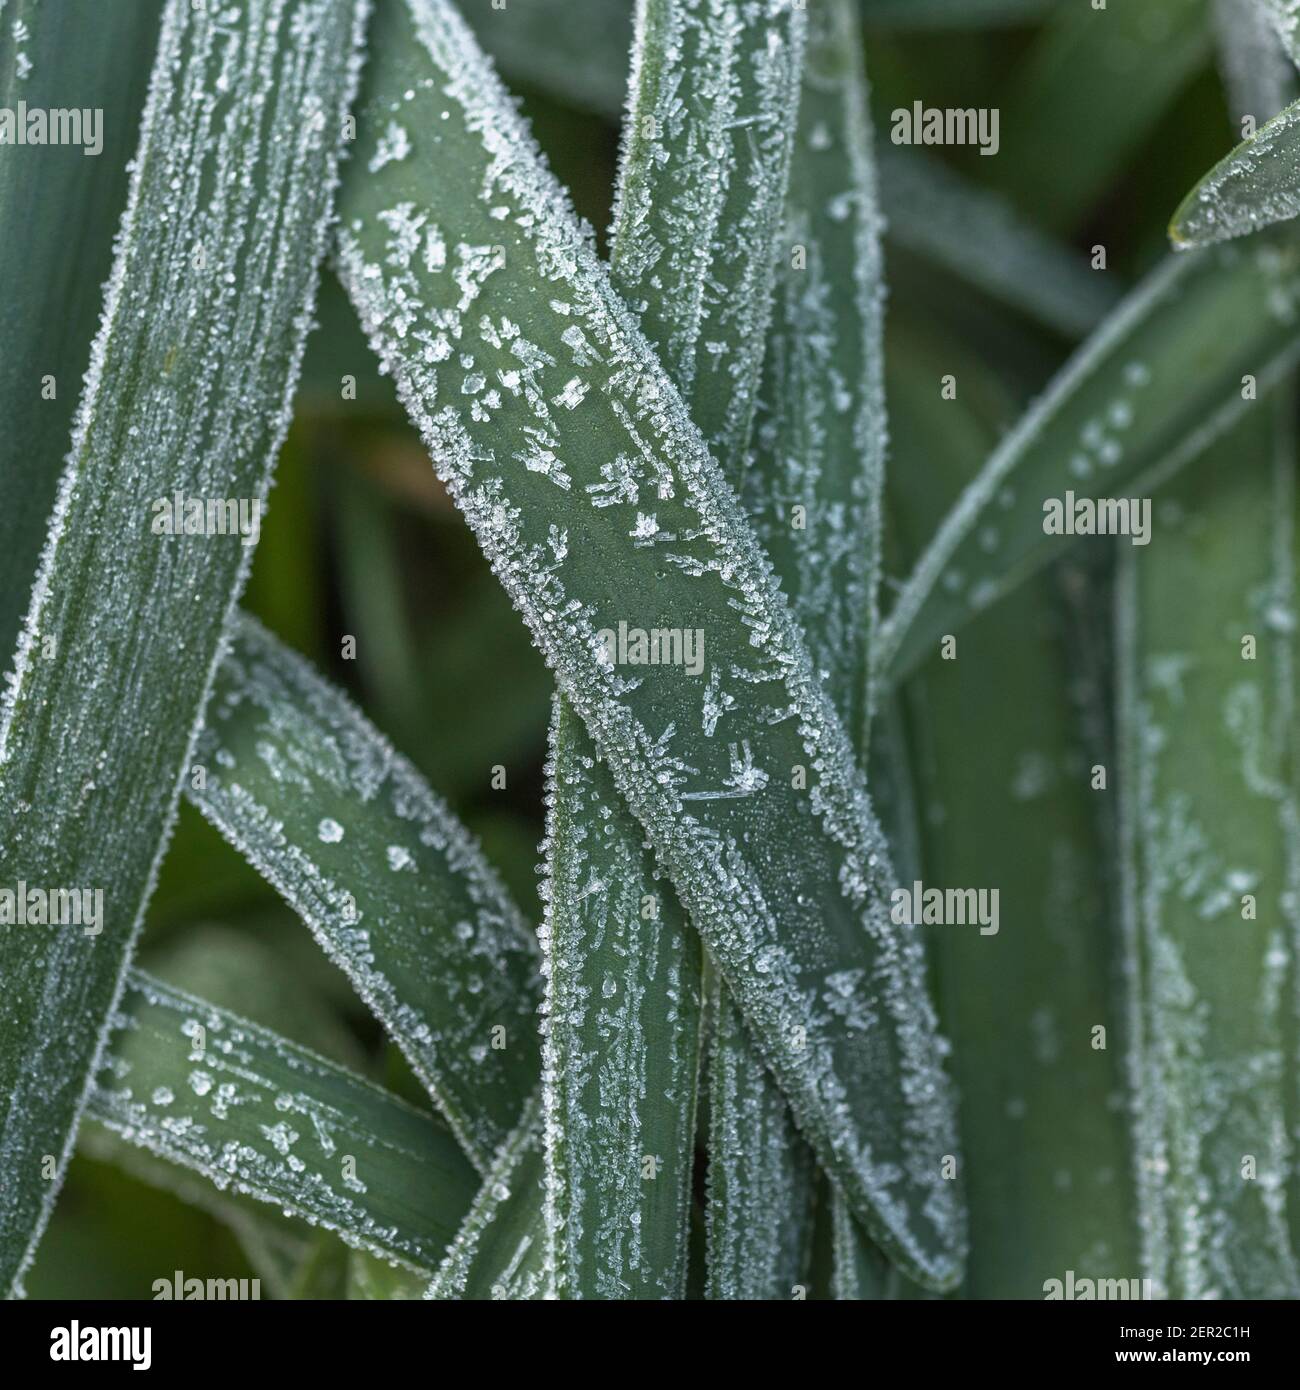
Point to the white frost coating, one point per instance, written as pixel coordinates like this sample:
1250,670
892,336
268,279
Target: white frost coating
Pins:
1118,413
231,187
277,1123
822,435
877,1106
404,902
978,236
1257,185
1208,1023
621,1045
700,194
760,1173
706,156
821,439
394,145
499,1251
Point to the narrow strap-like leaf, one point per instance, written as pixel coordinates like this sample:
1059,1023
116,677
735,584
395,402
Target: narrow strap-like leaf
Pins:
204,320
1046,1156
760,1174
859,1272
706,155
700,194
814,493
622,1040
394,889
596,502
1207,718
933,212
500,1251
815,488
1253,187
61,209
207,1090
1166,373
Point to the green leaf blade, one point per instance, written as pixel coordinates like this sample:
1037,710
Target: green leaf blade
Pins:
501,1251
706,159
691,790
622,1041
760,1173
814,492
700,193
190,397
1046,1160
204,1089
1164,375
1206,730
1255,186
68,207
393,888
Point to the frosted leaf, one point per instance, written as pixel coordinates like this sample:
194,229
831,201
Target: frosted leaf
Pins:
814,491
859,1272
622,1041
706,157
1211,982
1257,72
67,207
700,192
500,1251
1188,333
392,1181
187,390
1256,184
760,1174
875,1106
404,902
